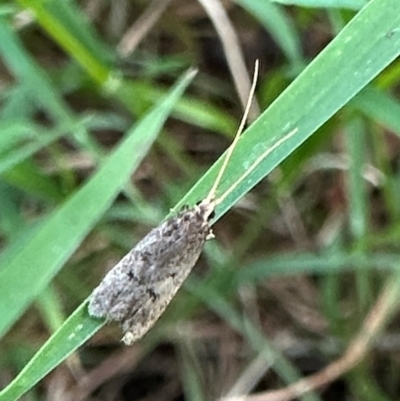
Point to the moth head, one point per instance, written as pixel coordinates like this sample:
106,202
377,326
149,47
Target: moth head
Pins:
206,208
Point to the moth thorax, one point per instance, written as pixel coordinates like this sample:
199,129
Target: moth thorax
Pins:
205,209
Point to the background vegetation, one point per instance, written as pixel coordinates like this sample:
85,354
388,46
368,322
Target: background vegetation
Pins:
299,294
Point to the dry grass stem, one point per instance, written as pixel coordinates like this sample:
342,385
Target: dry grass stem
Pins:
357,350
115,365
142,27
233,52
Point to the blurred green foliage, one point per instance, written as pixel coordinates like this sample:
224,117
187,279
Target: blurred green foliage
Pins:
77,120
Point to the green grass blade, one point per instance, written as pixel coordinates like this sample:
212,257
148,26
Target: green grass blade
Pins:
74,332
274,19
307,263
24,151
358,54
380,107
351,4
31,77
66,25
26,70
60,21
358,202
356,147
28,178
42,257
46,252
243,325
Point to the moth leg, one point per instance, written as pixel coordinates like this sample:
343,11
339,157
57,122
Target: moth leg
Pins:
129,338
210,235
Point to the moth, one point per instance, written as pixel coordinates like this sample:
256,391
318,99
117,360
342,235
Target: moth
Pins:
136,292
138,289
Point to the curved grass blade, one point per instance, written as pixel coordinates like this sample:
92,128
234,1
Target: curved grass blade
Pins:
309,263
75,331
101,190
33,268
358,54
64,24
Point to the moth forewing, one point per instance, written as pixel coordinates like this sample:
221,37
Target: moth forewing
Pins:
138,289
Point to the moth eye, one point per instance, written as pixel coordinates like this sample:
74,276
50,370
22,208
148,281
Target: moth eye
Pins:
212,215
198,203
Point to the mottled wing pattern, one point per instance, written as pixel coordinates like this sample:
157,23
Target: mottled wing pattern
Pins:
138,289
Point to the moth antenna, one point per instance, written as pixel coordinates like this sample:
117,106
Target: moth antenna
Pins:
211,194
253,166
